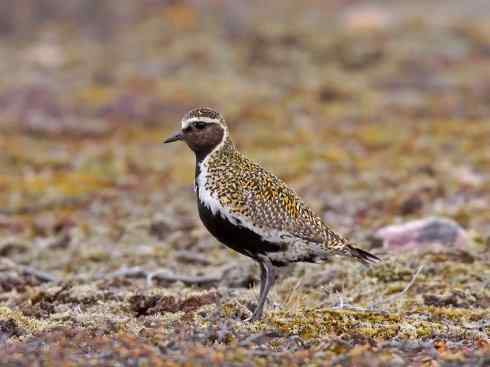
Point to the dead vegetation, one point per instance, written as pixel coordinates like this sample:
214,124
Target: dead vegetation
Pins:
376,117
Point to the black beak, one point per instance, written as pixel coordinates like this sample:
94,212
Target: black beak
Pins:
175,137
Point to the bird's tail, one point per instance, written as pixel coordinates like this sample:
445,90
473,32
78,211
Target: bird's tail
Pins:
362,256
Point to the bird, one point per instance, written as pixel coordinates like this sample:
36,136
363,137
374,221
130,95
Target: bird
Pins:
252,211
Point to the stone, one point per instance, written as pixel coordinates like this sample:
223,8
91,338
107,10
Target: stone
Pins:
423,233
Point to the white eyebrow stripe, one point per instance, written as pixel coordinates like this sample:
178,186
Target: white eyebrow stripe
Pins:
187,122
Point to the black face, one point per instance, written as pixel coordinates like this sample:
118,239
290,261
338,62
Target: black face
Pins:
201,136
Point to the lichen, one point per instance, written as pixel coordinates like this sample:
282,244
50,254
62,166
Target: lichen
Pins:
369,134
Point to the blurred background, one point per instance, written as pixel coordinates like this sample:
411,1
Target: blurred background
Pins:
376,112
343,98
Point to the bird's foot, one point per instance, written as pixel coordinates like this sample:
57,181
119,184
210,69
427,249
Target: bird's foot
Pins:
256,316
252,318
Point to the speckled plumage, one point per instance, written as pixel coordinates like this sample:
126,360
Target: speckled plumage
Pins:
251,210
262,202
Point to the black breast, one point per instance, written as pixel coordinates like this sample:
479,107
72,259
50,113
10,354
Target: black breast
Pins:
235,236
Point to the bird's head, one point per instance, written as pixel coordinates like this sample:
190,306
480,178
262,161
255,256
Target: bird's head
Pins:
202,129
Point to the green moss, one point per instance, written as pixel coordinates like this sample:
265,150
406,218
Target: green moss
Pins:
355,123
314,323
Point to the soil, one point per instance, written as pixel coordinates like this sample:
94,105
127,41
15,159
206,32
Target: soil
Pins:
376,113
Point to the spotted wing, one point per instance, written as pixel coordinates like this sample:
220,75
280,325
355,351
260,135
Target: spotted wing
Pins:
276,210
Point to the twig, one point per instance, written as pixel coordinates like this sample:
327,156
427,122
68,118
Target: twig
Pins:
40,275
341,305
27,270
135,272
166,275
163,275
255,338
397,296
191,257
63,288
295,288
347,306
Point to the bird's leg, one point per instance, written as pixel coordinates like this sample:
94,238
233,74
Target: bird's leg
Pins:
267,280
263,279
263,273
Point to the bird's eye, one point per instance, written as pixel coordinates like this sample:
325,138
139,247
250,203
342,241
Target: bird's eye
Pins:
200,125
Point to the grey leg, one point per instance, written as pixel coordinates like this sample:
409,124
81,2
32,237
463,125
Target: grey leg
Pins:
267,280
262,277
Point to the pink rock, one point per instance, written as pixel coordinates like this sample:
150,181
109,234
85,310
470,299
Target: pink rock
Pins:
423,233
367,18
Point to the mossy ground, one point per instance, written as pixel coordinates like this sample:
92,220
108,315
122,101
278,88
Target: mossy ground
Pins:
375,115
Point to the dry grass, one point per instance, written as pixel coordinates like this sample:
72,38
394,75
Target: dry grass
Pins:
374,118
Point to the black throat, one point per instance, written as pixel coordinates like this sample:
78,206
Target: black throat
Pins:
201,154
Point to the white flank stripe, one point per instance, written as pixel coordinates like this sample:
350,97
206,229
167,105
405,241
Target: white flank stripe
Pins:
215,206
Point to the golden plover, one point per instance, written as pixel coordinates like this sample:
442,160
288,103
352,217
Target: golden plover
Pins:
252,211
